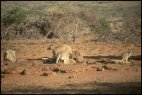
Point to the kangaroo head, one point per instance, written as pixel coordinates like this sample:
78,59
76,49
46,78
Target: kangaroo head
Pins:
50,47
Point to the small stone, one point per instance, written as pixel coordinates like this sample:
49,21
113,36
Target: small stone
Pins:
127,69
2,76
100,69
72,76
107,67
25,72
45,74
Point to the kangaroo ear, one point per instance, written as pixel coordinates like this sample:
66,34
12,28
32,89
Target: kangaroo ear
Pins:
77,52
50,47
130,49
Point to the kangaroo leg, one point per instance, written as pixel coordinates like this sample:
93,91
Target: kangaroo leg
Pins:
123,61
127,61
57,59
66,60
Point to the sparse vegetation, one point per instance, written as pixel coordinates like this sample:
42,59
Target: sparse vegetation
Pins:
67,21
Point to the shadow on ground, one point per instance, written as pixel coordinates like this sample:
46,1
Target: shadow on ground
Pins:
87,88
138,57
53,60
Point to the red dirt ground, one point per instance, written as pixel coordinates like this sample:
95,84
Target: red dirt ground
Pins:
32,76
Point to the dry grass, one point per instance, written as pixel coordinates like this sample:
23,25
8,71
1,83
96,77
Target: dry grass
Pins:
67,21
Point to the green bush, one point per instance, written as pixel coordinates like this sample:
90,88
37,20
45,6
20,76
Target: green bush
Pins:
16,15
101,26
105,24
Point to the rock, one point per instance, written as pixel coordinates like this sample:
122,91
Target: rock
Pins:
110,67
72,76
2,75
48,73
58,70
45,74
100,69
91,61
25,72
10,55
107,67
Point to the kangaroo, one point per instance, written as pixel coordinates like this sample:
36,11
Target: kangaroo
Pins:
126,55
60,48
64,56
62,52
78,57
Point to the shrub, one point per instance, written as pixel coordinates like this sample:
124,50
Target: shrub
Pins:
104,23
97,23
16,15
101,26
66,26
131,27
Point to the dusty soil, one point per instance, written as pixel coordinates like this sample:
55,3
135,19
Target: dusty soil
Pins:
34,76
